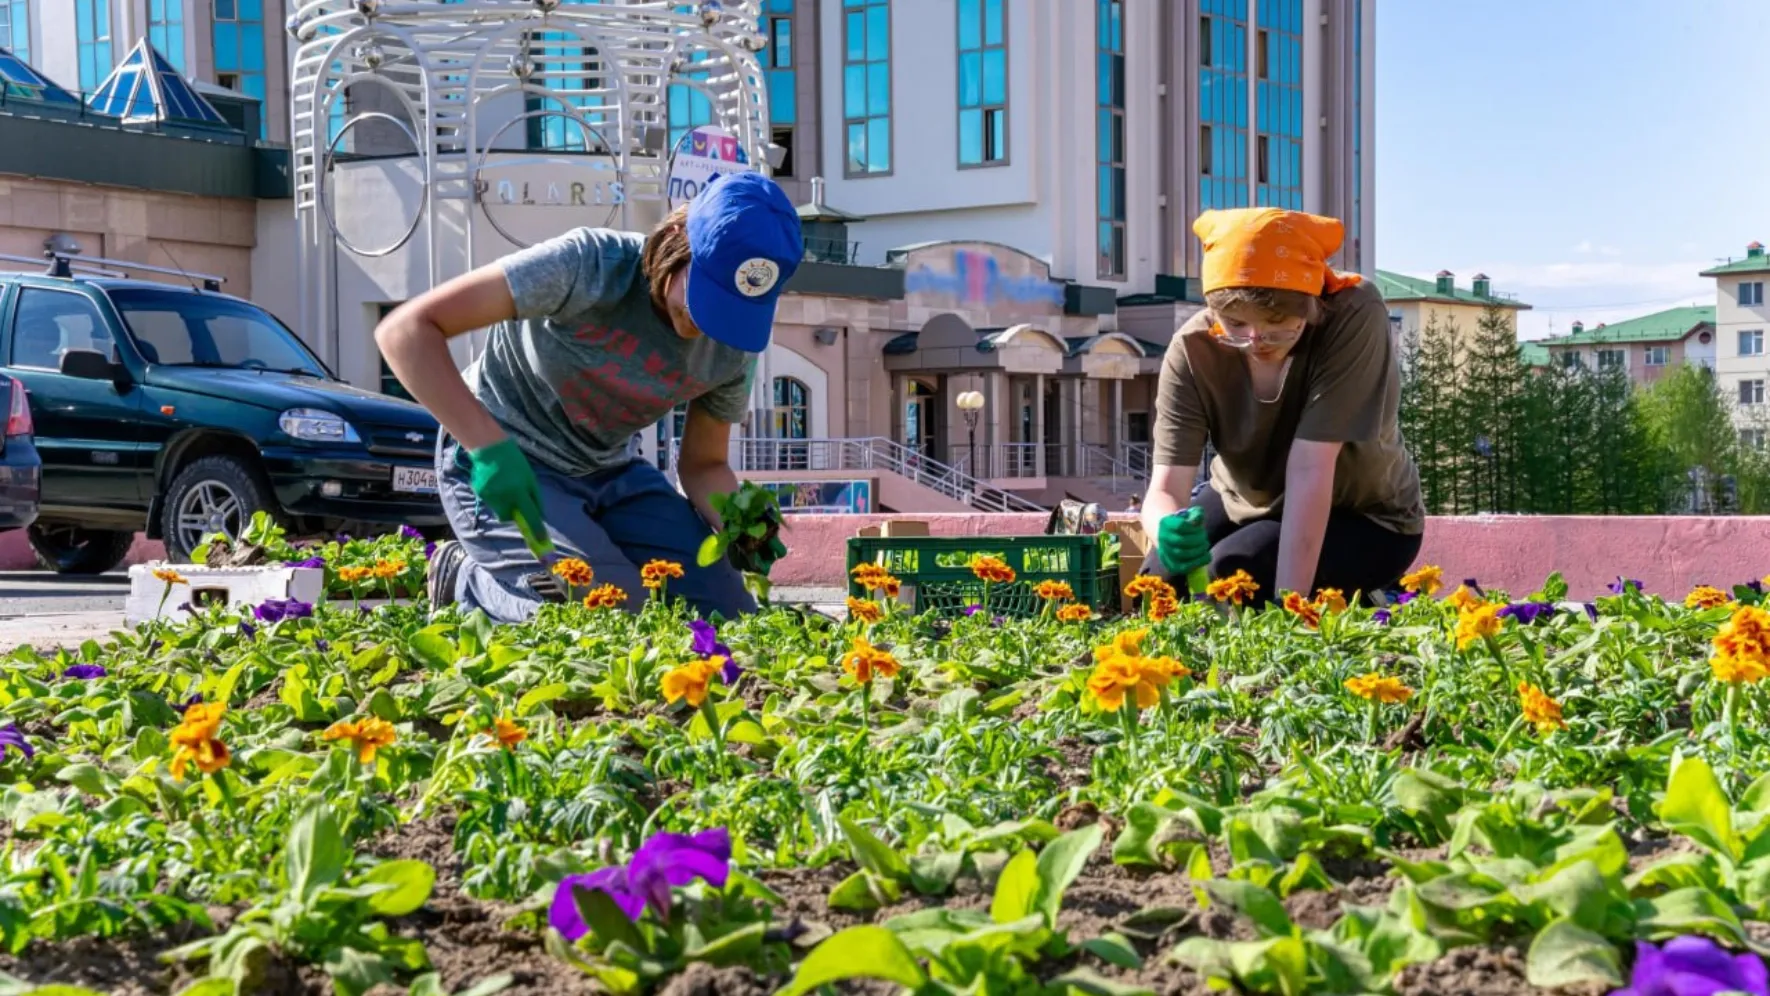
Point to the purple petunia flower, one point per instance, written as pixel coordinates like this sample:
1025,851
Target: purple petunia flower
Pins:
1621,584
12,736
84,672
1406,597
1694,966
1380,617
973,609
314,561
1528,613
664,862
1757,587
247,630
1474,586
273,610
1592,611
322,645
429,551
407,532
706,644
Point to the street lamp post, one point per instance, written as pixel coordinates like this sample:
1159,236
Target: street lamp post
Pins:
971,406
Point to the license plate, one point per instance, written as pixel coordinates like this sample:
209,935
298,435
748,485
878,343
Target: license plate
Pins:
414,480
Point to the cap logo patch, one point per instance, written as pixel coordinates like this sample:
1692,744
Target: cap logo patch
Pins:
756,277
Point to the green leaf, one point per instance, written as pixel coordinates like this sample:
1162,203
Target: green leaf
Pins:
711,548
433,649
540,694
83,991
1059,863
1017,888
1253,902
489,985
1565,954
863,892
606,920
223,691
411,881
1687,911
90,779
1114,949
313,858
1695,806
355,971
1092,983
740,947
872,853
933,874
1577,893
865,952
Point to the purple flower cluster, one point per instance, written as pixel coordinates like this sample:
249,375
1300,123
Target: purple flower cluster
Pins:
315,561
1380,617
84,672
274,610
1621,585
706,644
1694,966
407,532
664,862
13,737
1528,613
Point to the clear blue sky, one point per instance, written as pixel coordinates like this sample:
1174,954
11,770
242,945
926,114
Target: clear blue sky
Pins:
1590,156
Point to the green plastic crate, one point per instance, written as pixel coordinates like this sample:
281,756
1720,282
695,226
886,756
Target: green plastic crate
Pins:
939,569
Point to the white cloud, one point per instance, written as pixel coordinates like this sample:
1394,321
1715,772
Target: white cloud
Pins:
1593,290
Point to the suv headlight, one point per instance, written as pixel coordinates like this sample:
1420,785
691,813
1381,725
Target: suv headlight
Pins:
317,426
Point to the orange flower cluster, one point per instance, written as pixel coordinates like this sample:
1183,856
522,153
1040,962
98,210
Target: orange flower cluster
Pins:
1463,599
387,570
1331,600
1055,591
1426,581
1237,588
1379,688
1539,710
197,740
507,733
1705,597
169,576
605,596
1477,623
366,736
690,681
1148,584
1163,606
1742,647
354,574
874,577
1302,608
574,572
865,610
992,570
1074,613
1121,670
867,662
654,574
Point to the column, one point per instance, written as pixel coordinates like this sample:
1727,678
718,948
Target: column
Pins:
1038,440
995,398
1116,434
1067,424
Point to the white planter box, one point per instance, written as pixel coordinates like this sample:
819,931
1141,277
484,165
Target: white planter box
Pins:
207,585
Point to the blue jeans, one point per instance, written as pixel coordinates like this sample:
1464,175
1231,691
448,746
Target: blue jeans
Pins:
615,520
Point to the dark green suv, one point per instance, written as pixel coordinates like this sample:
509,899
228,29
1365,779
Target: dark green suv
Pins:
181,411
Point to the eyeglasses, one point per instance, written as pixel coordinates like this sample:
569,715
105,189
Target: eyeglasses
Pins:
1243,341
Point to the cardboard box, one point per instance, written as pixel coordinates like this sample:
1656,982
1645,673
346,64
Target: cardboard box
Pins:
1133,547
896,527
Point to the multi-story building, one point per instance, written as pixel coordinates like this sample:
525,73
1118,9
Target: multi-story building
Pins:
1414,303
1741,318
1644,348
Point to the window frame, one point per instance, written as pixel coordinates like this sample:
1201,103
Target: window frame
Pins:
16,35
1664,354
1756,337
1613,359
18,304
105,39
848,8
1118,222
1756,296
171,25
984,108
1755,387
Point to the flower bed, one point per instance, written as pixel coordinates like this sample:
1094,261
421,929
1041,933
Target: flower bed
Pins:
1463,792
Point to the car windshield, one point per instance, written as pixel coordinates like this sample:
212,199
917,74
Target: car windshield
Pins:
182,329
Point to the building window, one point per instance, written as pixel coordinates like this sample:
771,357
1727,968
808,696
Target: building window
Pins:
1278,92
1223,104
689,107
15,28
983,83
1204,150
1751,342
92,36
1263,54
1658,356
866,85
1204,41
1610,359
1751,439
1751,392
238,35
166,30
791,417
1751,294
1262,159
567,68
1109,138
777,66
1571,361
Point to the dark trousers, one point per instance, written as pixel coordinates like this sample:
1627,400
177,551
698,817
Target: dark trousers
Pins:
1357,555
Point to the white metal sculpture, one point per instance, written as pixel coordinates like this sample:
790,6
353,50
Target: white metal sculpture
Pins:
443,72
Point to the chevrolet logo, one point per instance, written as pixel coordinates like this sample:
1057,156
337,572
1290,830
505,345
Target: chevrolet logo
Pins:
416,437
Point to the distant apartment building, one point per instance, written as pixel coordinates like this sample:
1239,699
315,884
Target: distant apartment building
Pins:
1415,302
1644,348
1741,318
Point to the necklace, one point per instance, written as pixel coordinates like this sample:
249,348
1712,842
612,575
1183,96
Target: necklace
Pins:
1284,373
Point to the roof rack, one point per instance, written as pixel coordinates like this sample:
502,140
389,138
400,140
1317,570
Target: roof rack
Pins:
61,265
84,266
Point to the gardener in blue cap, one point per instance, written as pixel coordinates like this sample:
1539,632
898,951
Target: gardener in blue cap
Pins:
596,335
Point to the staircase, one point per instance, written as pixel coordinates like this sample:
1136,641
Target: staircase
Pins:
873,453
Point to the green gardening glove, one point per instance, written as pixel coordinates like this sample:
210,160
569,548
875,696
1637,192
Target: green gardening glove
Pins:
1181,544
506,484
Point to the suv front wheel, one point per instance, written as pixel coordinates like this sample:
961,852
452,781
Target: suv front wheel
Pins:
69,549
217,494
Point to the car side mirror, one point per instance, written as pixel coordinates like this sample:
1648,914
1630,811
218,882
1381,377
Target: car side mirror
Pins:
90,364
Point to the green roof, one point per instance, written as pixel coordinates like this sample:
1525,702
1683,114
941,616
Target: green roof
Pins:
1397,287
1755,261
1661,326
1533,354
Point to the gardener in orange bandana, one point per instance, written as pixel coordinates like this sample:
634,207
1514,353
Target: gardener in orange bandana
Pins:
1291,373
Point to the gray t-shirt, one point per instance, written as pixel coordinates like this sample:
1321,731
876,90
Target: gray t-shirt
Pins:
589,361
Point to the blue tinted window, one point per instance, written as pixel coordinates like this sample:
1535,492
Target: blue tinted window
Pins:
15,27
566,67
166,30
866,85
238,38
92,36
983,83
1109,129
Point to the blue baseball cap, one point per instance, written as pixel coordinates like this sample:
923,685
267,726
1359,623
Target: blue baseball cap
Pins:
743,244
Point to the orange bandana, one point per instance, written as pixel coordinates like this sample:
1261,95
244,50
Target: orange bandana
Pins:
1269,247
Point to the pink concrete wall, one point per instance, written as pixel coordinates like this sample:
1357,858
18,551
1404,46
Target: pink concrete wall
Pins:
1669,555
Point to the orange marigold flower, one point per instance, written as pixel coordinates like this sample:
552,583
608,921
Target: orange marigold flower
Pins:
1477,623
1116,675
1148,584
992,570
574,572
1237,588
874,577
1379,688
1463,599
1331,600
1742,647
1074,613
353,574
1738,670
865,610
507,733
1705,597
1302,608
195,740
1163,606
1167,667
689,682
1427,580
866,662
169,576
387,570
1127,643
605,596
1539,710
1055,591
366,736
654,574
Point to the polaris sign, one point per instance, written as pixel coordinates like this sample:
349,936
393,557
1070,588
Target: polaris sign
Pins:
977,280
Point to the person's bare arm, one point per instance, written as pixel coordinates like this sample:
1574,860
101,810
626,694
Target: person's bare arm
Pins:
1308,500
704,464
1170,490
414,339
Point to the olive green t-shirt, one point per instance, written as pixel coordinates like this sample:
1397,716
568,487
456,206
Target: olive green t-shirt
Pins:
1343,386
